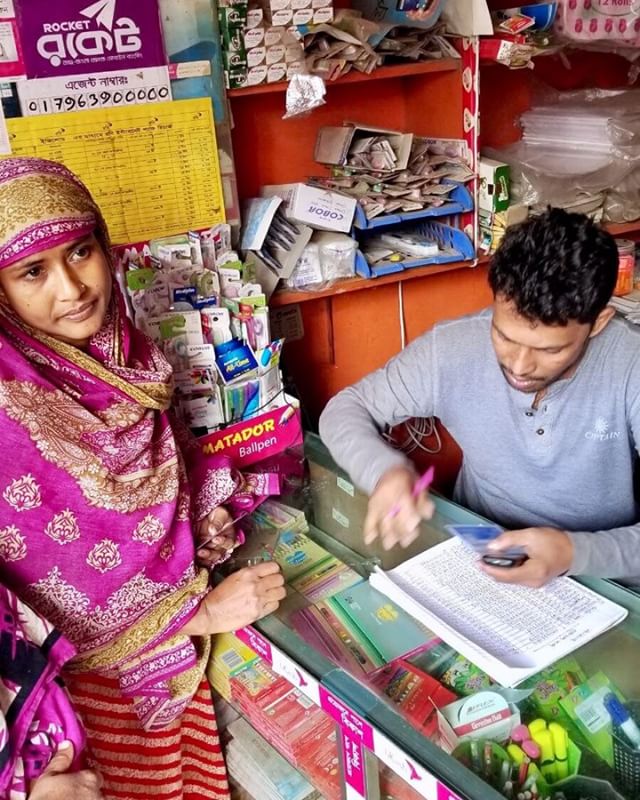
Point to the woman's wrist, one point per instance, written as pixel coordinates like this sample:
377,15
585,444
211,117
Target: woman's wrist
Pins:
203,622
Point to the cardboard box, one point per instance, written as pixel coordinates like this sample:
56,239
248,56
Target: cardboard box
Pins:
493,194
276,72
273,36
255,18
276,54
322,15
334,142
314,206
302,16
254,37
256,56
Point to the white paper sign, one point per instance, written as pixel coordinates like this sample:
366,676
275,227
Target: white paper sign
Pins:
102,90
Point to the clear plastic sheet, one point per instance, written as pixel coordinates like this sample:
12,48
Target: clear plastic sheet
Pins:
580,150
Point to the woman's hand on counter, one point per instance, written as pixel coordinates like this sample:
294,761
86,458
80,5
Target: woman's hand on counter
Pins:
549,551
244,597
394,513
57,783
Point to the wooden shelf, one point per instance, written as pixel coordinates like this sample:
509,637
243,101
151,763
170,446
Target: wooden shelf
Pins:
382,73
620,228
284,298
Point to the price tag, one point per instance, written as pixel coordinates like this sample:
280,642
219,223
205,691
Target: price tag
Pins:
125,87
297,676
351,723
256,642
353,758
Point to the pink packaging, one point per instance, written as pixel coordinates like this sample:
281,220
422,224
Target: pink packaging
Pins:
593,20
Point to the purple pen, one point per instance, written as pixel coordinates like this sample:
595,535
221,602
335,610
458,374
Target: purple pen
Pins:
420,485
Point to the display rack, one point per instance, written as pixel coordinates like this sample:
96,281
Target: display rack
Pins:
371,730
357,736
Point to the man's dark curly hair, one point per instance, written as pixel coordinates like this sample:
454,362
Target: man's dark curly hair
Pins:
556,267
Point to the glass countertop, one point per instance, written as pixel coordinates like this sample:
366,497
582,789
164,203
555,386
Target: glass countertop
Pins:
335,511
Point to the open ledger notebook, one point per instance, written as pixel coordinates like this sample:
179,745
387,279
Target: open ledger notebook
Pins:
511,632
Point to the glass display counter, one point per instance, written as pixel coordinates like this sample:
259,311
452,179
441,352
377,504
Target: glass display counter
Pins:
393,749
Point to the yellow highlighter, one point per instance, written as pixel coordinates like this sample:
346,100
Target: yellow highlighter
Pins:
516,754
544,740
537,725
560,741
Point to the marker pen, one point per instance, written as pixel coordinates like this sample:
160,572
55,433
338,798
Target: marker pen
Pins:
622,719
560,740
547,758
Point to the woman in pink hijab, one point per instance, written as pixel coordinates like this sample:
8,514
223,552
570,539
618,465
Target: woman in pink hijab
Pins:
100,504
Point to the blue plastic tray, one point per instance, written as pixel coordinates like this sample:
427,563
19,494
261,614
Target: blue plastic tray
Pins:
460,200
454,244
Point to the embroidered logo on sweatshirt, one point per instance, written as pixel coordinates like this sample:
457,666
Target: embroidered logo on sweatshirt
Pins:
601,432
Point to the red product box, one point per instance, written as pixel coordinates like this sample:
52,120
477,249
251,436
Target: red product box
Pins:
416,693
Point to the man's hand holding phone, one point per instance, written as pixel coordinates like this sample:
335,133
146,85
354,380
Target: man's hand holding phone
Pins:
530,557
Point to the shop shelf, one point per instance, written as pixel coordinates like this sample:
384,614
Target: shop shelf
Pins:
454,246
382,73
285,298
623,228
460,200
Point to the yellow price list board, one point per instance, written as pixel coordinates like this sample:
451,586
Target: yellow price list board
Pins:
153,169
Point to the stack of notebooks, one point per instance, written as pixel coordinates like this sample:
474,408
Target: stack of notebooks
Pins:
298,729
360,629
260,770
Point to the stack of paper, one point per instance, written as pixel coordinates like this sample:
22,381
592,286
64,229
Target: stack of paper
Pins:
261,770
511,632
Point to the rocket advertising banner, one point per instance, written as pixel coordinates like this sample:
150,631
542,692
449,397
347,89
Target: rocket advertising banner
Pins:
70,37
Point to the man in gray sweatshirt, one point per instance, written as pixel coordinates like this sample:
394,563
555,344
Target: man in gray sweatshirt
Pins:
542,393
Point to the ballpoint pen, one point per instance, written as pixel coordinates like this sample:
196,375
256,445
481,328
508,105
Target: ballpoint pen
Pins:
420,485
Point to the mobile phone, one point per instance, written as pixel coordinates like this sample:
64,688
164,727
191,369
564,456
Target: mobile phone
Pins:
477,537
505,560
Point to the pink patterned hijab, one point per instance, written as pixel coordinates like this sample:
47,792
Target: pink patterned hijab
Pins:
97,503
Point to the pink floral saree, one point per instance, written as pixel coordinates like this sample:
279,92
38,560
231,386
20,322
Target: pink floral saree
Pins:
97,504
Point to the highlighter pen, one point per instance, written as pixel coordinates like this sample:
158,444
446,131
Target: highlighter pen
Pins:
537,725
516,753
420,485
560,741
547,759
622,719
520,734
531,750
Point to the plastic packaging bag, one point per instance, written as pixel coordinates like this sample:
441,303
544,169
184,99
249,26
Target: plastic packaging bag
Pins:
615,21
580,150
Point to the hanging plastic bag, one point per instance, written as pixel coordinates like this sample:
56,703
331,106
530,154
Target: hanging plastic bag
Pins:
614,21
